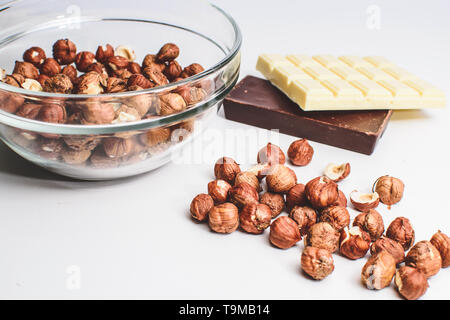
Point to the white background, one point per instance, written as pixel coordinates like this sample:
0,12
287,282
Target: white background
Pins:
134,238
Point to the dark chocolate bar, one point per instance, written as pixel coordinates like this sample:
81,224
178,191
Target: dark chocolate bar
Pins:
256,102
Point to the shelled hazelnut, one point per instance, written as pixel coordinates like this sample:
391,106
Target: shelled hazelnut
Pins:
401,230
83,60
371,222
390,246
300,152
390,189
317,263
379,270
170,103
103,53
58,84
126,52
305,217
139,80
323,235
424,257
191,70
337,172
168,52
410,282
155,136
218,190
52,113
442,242
172,70
71,72
75,157
281,179
34,55
97,113
341,200
200,206
354,243
261,170
42,78
224,218
364,201
255,218
271,154
338,217
29,110
226,169
243,194
97,67
32,85
284,233
114,85
64,51
155,75
26,69
249,178
50,67
15,80
322,192
296,196
81,142
274,201
117,147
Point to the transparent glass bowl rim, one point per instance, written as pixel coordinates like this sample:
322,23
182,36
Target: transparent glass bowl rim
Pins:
45,127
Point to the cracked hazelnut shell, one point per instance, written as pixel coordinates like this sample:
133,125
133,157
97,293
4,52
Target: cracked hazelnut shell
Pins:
424,257
379,270
274,201
322,192
442,242
401,230
390,246
281,179
255,218
317,263
224,218
243,194
296,196
305,217
226,169
284,233
323,235
300,152
218,190
390,189
271,154
200,206
411,283
354,243
371,222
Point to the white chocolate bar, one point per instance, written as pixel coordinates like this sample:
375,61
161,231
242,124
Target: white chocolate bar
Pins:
324,82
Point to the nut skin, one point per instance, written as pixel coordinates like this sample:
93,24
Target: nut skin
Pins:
424,257
379,270
242,194
226,169
155,76
371,222
35,56
274,201
134,68
305,217
281,179
364,201
249,178
390,189
337,172
97,67
172,70
114,85
411,283
103,53
271,154
224,218
218,190
300,152
52,113
342,200
71,72
58,84
191,70
26,69
442,242
354,243
64,51
317,263
322,192
168,52
284,233
50,67
155,136
170,103
401,230
83,60
296,196
150,62
117,147
338,217
255,218
390,246
15,80
139,80
200,207
323,235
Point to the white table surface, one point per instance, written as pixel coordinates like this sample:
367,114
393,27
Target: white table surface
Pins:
134,238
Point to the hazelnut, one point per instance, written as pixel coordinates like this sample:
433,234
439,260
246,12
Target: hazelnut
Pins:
50,67
391,246
172,70
71,72
29,110
58,84
305,217
155,136
425,258
442,242
255,218
64,51
296,196
134,68
243,194
114,85
317,263
122,74
226,169
117,147
300,152
51,145
224,218
35,56
200,206
142,102
91,83
261,170
192,95
379,270
104,53
168,52
97,113
15,80
411,283
11,102
274,201
83,60
155,75
281,179
354,243
284,233
79,143
249,178
150,62
26,69
401,230
139,80
390,189
126,114
338,217
42,78
126,52
32,85
323,235
100,160
271,154
191,70
52,113
97,67
371,222
75,157
218,190
364,201
337,172
321,192
342,200
170,103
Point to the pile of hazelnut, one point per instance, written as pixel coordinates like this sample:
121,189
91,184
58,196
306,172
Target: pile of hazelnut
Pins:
318,213
109,70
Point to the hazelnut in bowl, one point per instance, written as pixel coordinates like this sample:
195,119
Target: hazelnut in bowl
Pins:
99,94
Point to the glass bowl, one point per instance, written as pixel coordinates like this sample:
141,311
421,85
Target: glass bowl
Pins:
204,33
